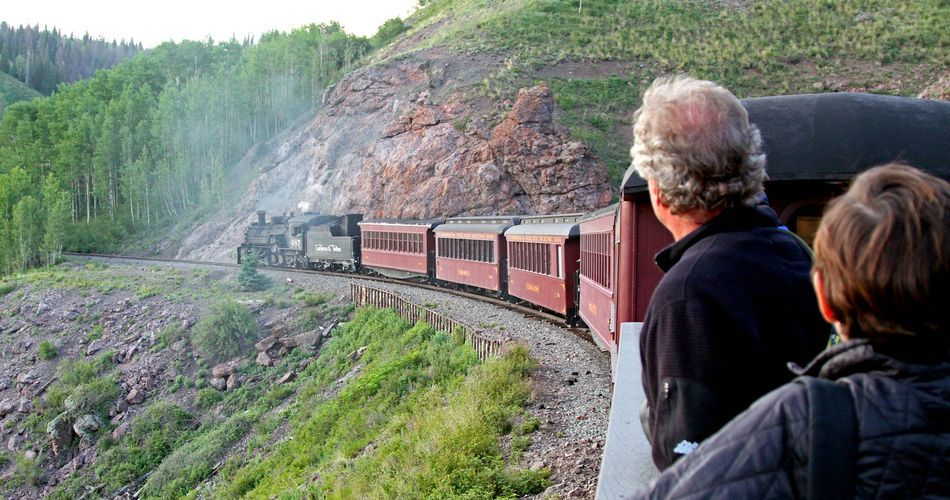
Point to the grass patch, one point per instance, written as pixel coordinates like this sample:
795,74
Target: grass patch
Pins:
312,299
422,419
6,288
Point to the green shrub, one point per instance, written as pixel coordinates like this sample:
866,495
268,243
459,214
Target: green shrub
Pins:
313,298
6,288
27,472
47,350
92,397
248,278
225,331
207,397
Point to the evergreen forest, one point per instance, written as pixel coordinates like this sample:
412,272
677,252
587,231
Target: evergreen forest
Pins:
43,59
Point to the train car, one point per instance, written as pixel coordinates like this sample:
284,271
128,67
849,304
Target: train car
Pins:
815,144
318,241
399,248
264,239
543,252
470,251
597,275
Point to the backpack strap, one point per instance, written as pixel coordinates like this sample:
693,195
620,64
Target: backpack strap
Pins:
832,441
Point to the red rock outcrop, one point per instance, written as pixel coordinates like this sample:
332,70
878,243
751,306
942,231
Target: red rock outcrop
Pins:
401,140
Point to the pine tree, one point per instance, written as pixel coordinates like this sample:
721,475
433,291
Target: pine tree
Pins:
248,277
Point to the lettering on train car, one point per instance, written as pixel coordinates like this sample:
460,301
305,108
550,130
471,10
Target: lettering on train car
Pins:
327,248
592,307
532,287
463,272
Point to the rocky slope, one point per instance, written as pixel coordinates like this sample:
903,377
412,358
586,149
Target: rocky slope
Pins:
413,138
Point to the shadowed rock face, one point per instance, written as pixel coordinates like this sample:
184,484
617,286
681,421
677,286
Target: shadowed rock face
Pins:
381,146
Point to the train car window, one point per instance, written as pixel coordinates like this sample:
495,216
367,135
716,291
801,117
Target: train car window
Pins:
560,261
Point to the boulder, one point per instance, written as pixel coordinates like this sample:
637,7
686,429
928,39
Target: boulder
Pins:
223,370
25,406
121,431
266,343
357,354
288,377
26,378
87,426
135,397
234,381
96,346
60,433
6,407
218,383
263,359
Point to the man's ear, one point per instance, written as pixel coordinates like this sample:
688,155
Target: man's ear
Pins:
823,306
655,191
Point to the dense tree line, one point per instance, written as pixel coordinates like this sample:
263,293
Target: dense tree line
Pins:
152,139
42,59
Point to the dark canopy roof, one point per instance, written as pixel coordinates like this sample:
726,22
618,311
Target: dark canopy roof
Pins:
835,136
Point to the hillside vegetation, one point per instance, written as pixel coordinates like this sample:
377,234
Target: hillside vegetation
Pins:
13,90
375,407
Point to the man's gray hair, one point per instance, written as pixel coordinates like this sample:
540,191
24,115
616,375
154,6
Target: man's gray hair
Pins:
693,137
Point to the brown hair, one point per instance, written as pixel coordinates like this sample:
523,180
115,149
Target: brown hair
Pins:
882,251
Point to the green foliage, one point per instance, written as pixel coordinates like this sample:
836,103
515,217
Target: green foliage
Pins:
106,161
225,331
26,473
193,462
6,288
208,397
388,31
168,336
313,298
47,350
248,278
151,437
434,416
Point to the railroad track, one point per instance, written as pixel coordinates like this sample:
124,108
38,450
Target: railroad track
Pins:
526,311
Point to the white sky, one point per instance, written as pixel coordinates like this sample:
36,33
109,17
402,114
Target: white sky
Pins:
157,21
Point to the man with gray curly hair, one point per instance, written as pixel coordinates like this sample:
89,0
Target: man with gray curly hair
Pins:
736,302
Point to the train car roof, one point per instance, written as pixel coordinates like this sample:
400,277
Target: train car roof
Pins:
402,222
569,229
551,225
832,137
596,214
486,224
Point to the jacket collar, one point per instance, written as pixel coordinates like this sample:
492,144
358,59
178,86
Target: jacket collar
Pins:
889,356
731,219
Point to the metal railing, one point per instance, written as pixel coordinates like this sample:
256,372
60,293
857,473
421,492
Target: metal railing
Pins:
484,346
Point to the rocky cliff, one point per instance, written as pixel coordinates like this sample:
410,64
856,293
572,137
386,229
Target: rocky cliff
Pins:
412,138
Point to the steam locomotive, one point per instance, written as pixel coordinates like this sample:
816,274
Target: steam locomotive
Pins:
598,267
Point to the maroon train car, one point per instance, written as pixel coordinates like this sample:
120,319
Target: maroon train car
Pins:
542,261
399,248
598,274
471,251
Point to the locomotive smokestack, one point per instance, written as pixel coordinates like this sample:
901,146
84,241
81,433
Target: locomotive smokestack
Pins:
260,217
